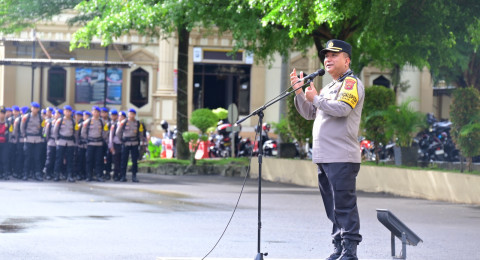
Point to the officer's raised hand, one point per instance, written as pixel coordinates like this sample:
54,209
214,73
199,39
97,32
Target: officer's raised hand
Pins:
311,92
294,79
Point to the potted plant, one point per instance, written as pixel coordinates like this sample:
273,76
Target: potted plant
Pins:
203,119
402,122
286,148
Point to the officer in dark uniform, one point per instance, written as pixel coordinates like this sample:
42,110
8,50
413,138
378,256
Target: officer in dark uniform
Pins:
3,142
132,133
31,129
51,145
82,149
115,146
95,131
64,134
337,111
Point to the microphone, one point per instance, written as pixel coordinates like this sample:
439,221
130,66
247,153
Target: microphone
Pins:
319,72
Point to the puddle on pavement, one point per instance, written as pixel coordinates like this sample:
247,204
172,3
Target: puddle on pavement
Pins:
16,225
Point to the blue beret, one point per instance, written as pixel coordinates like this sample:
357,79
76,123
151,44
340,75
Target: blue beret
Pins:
53,112
24,110
8,109
132,110
51,109
60,111
15,108
113,112
96,108
44,111
67,107
35,104
87,113
79,113
104,109
123,113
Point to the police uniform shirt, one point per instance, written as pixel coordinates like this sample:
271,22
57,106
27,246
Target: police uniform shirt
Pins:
127,132
49,132
33,130
64,132
16,130
97,132
12,137
113,137
337,112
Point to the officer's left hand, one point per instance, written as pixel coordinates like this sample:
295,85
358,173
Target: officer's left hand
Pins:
311,92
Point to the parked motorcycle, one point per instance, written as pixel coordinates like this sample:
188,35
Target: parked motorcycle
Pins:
269,146
219,144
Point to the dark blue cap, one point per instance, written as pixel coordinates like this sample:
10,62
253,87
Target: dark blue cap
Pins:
104,109
67,107
35,104
113,112
60,111
123,113
79,113
132,110
44,111
8,109
96,108
24,110
15,108
87,113
51,109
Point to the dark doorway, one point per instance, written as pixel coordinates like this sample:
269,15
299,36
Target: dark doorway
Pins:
219,85
381,81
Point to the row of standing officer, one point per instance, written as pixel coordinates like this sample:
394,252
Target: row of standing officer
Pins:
69,145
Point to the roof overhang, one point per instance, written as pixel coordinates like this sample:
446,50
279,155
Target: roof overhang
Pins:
64,63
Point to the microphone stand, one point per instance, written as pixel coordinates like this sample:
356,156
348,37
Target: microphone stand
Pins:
259,113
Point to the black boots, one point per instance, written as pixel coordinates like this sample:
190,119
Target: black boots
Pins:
349,251
134,177
337,250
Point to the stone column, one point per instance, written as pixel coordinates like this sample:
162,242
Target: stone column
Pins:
165,96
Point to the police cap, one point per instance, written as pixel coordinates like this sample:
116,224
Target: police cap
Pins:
35,105
131,110
336,46
67,107
96,108
15,108
113,112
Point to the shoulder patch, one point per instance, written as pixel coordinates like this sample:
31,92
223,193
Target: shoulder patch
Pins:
43,123
348,92
140,128
24,118
105,127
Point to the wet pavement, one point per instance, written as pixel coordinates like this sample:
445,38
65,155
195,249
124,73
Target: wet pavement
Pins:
183,216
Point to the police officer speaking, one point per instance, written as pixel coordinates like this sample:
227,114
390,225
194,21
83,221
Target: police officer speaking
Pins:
336,111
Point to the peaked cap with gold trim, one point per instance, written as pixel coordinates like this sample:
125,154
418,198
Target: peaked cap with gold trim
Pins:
336,46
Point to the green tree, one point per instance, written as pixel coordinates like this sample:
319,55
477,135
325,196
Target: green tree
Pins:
300,128
16,15
377,98
465,116
154,18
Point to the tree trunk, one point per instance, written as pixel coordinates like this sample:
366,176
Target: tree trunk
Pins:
469,163
182,92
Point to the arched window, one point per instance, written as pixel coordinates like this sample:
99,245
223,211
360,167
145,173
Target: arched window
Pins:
381,81
57,83
139,87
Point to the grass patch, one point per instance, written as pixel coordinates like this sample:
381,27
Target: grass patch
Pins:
156,162
429,167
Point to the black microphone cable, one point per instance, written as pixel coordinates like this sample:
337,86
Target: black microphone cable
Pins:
259,128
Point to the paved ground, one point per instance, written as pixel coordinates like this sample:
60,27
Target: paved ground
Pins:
182,216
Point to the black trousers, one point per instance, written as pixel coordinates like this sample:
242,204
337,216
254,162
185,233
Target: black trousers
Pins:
10,156
80,163
126,150
64,152
117,159
94,161
4,158
19,162
108,159
337,183
33,158
50,162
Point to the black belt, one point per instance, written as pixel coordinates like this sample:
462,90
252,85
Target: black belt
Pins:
68,138
95,140
27,134
130,139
